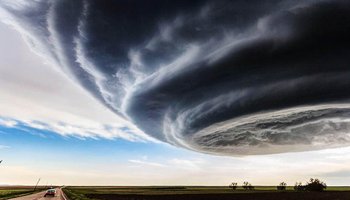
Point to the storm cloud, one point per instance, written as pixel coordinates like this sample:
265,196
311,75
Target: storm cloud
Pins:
221,77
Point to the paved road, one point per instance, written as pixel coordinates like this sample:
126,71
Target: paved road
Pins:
40,196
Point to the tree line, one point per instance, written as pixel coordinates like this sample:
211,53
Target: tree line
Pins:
312,185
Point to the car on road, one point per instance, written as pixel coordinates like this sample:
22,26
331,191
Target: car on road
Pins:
50,192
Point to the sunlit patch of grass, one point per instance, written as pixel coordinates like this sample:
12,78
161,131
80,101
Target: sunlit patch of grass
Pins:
338,188
9,193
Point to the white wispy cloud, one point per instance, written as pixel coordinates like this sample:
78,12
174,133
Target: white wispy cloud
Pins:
41,97
4,147
147,163
7,122
194,164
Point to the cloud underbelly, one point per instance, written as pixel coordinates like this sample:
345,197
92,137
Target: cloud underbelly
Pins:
221,77
299,129
265,118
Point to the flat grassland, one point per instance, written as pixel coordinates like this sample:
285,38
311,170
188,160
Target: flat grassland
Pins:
7,192
200,193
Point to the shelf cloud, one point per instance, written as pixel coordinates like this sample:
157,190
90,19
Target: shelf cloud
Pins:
220,77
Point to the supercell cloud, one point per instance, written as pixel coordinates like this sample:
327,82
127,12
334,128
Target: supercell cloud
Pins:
222,77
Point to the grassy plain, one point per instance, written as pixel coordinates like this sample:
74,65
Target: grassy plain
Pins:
7,192
197,192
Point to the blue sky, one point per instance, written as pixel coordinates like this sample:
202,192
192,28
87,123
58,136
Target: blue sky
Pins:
51,128
29,153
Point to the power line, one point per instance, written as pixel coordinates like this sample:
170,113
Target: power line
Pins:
37,184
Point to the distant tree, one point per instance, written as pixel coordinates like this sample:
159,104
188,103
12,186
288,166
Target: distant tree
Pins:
299,187
247,186
233,186
282,186
315,185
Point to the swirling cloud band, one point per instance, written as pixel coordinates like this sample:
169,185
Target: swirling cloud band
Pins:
222,77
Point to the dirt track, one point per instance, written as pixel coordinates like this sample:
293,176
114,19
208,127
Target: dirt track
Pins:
237,196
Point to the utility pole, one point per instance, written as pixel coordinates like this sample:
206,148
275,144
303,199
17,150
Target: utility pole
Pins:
37,184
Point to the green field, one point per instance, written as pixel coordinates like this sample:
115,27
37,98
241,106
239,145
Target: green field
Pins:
15,191
9,193
86,193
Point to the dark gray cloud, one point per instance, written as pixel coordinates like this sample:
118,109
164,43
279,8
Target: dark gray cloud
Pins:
223,77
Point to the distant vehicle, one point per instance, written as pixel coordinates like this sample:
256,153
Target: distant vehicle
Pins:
50,192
